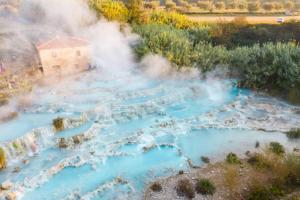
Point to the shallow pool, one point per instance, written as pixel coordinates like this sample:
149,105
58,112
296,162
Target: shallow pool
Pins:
136,129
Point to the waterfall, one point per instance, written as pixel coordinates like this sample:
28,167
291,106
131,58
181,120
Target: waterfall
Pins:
27,145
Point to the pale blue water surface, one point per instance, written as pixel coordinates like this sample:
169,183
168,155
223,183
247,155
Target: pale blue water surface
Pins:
141,129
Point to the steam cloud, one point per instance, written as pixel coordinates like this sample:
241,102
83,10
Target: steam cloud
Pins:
39,20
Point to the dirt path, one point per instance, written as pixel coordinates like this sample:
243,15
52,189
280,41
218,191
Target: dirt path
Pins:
250,19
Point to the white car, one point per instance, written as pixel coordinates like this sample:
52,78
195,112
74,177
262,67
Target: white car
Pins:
280,20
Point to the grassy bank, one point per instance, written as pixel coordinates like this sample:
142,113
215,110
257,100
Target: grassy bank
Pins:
264,57
269,173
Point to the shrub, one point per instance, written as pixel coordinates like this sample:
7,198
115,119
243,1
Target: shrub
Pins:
205,159
289,5
174,44
293,133
220,5
278,5
268,66
231,5
257,144
232,158
276,148
258,160
204,5
258,193
185,188
205,186
156,187
151,5
58,124
136,11
268,6
242,6
253,6
171,18
111,10
170,5
231,178
207,57
2,159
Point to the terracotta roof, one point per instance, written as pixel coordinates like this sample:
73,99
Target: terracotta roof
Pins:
62,42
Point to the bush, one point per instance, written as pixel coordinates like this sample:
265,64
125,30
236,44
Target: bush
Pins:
268,6
170,6
253,6
185,188
259,193
232,158
111,10
258,160
204,5
2,159
242,6
293,133
136,11
276,148
268,66
156,187
257,144
205,186
171,18
220,5
58,124
205,159
231,178
151,5
174,44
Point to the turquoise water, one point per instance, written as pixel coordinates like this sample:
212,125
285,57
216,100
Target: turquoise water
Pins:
136,129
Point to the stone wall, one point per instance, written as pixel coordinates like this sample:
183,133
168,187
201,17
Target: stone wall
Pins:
65,60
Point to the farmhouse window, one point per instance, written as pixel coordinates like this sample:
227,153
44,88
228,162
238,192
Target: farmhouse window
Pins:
54,55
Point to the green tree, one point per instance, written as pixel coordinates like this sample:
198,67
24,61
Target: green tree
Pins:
253,6
220,5
268,6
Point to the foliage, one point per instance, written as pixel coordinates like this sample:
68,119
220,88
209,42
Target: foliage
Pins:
164,40
205,186
231,178
265,56
276,148
258,161
279,175
205,5
205,159
2,159
257,144
259,193
58,124
220,5
175,19
151,5
253,6
232,158
268,66
170,6
185,188
111,9
156,187
136,12
293,133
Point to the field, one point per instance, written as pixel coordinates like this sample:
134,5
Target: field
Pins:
250,19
